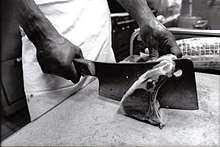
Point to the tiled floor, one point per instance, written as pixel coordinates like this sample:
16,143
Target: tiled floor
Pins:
13,123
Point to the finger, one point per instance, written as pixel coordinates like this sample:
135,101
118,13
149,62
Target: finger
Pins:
78,53
173,47
169,46
68,72
153,54
73,74
176,51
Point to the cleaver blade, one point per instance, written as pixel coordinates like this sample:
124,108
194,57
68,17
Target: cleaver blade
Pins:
116,78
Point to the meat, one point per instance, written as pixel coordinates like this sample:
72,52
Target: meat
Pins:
140,101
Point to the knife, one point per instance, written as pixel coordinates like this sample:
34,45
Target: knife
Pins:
116,78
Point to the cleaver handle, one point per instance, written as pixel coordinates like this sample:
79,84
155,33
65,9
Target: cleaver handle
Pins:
85,67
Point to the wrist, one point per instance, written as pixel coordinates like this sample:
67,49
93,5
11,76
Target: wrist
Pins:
51,44
151,24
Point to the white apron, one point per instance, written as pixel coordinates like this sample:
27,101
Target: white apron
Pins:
87,24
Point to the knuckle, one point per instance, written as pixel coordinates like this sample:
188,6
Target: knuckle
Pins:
75,80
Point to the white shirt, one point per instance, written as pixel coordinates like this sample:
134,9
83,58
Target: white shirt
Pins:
87,24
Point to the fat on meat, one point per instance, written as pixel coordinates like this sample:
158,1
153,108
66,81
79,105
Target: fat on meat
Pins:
140,101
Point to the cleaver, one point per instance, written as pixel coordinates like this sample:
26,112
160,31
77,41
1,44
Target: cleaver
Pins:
116,78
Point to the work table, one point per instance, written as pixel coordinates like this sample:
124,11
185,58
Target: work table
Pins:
87,119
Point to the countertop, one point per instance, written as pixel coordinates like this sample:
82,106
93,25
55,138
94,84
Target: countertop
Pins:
87,119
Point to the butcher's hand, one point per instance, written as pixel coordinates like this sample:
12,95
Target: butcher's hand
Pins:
159,40
152,32
56,58
54,52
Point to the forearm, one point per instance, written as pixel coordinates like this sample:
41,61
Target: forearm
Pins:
37,27
140,11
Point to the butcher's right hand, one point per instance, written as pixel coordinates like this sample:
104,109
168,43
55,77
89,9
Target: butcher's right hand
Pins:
56,58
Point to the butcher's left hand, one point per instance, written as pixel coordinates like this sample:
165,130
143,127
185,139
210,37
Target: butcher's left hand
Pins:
159,40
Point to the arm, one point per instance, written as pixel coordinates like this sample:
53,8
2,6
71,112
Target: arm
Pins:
152,32
54,52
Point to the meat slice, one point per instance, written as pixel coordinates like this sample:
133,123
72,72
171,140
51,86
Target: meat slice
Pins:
140,101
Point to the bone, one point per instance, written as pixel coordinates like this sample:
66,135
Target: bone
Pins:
140,101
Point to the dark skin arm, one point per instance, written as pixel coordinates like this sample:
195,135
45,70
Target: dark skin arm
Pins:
54,52
158,40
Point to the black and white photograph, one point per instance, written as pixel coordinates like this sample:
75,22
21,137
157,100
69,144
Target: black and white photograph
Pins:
110,73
